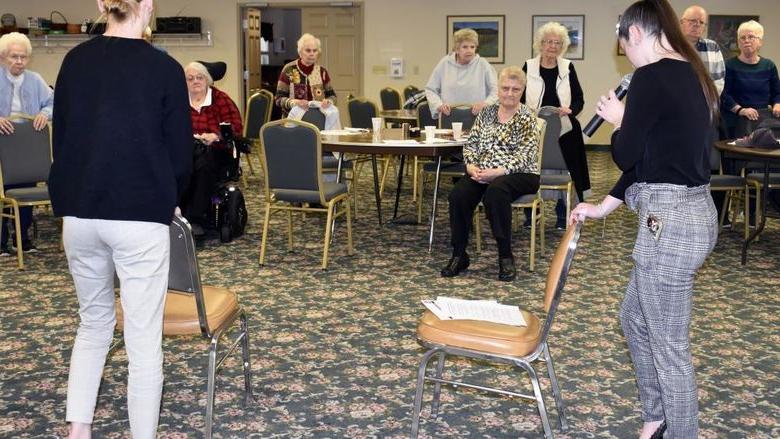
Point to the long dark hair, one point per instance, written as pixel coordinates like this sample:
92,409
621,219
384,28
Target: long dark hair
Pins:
656,17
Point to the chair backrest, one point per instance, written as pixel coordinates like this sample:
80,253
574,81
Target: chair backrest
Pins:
293,156
184,274
424,117
360,113
553,157
25,156
557,275
258,112
315,117
391,99
410,91
458,113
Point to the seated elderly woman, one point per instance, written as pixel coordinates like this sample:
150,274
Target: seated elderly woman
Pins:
304,83
209,107
461,77
21,92
501,163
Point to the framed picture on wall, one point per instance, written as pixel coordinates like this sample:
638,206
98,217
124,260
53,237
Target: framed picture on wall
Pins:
490,29
723,29
575,24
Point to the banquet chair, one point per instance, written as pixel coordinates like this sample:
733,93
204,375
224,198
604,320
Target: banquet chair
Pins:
424,119
534,202
518,346
390,99
293,181
458,113
555,178
192,308
732,185
410,91
258,113
25,159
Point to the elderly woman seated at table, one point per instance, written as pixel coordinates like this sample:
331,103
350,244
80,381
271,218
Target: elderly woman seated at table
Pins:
21,92
305,84
501,163
209,107
461,77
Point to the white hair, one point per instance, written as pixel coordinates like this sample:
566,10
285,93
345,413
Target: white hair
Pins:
200,68
308,38
753,26
12,38
554,28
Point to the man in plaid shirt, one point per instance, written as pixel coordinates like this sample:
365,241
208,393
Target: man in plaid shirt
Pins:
693,23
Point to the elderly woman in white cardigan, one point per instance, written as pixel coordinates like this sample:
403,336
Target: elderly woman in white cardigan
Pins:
552,81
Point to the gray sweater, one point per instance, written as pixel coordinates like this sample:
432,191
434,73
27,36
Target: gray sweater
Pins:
454,83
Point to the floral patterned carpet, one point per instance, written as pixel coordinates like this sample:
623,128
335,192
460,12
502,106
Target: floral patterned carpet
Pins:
334,352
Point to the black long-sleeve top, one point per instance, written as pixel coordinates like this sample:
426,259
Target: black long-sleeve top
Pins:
122,140
666,132
550,97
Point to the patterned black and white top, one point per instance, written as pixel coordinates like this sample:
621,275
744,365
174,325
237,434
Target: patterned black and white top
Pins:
513,145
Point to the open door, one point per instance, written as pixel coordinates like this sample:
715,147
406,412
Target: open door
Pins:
251,55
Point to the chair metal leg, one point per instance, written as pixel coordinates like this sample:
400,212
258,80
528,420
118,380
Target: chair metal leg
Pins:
290,230
478,230
331,205
418,395
433,203
210,389
350,248
555,388
437,386
723,208
264,238
245,360
539,400
18,235
534,214
421,182
543,222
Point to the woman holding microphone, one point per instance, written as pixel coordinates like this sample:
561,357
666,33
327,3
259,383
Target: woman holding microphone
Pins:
661,142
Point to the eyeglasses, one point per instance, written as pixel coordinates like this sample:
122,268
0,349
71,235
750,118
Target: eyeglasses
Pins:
748,38
18,57
556,43
196,78
694,22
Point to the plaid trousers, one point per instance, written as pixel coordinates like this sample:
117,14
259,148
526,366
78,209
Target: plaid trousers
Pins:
656,311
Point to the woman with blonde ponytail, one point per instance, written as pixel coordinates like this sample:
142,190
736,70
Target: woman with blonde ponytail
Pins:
122,151
662,143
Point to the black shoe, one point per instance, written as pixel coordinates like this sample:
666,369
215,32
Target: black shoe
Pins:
27,246
506,269
5,251
455,265
659,432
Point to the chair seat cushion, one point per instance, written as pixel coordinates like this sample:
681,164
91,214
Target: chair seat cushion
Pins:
28,194
525,199
554,179
723,181
330,189
482,336
774,178
446,167
181,314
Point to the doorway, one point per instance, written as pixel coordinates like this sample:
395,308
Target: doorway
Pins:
270,35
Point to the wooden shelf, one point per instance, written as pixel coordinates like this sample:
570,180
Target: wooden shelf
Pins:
68,41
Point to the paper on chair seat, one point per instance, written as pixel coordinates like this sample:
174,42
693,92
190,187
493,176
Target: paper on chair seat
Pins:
448,308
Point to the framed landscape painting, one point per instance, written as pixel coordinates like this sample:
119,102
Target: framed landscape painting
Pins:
723,29
575,24
490,29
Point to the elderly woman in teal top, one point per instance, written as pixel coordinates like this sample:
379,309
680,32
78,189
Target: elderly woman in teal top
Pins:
462,77
21,92
751,81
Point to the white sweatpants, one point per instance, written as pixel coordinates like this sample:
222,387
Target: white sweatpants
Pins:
139,251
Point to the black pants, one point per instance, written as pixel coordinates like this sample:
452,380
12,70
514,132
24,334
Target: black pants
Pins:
209,171
497,198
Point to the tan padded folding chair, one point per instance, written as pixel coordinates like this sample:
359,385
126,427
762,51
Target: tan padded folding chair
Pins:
195,309
293,181
518,346
25,158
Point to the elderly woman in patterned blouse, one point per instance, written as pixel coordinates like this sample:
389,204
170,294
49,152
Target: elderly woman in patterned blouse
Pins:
501,163
304,83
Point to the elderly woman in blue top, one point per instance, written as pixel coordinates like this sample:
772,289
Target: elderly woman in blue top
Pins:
21,92
751,80
461,77
501,163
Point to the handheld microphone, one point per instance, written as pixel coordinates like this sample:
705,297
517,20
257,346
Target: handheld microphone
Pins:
597,120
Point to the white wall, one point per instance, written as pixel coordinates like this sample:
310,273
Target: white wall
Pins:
415,30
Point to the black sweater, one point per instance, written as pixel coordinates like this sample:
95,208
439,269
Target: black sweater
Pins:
666,133
122,132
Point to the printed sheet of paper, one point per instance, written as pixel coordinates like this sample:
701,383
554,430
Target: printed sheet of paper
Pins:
448,308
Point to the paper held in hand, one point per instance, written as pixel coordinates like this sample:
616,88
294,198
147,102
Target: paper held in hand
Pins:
448,308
